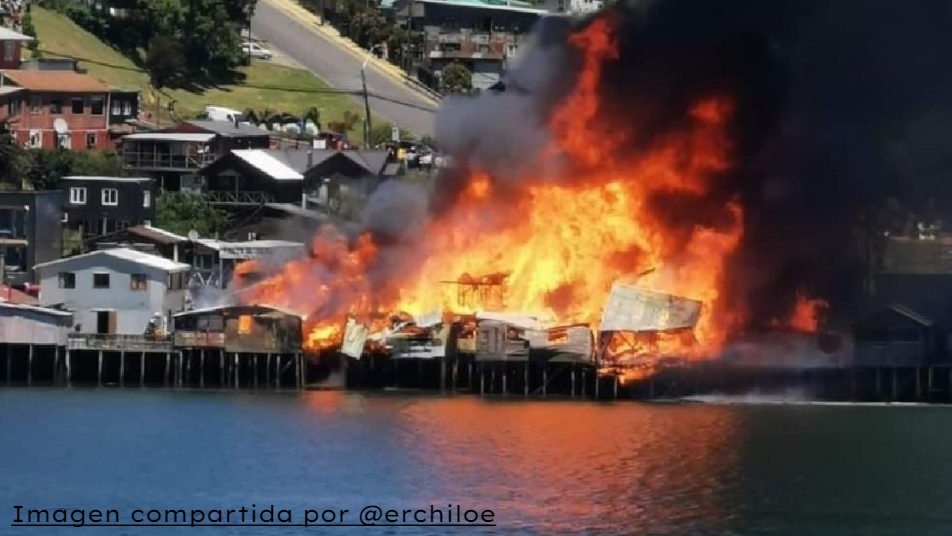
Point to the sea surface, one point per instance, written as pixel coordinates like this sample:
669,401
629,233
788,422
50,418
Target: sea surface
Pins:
542,467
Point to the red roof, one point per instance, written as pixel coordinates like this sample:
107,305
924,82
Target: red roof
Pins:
67,81
18,297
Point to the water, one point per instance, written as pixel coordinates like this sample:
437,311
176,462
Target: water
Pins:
542,467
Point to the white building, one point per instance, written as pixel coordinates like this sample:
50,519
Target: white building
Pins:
115,291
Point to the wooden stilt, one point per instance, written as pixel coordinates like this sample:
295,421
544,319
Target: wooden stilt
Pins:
615,387
505,375
221,369
99,373
168,366
6,353
929,382
482,380
895,384
29,365
254,364
918,383
142,369
454,373
277,371
545,378
56,366
584,382
597,381
69,368
470,376
188,368
201,368
267,370
235,370
525,380
442,374
419,372
122,368
573,380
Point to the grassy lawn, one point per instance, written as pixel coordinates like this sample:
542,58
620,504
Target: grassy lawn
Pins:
267,85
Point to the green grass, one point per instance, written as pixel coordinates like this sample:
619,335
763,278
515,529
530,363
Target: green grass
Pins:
266,85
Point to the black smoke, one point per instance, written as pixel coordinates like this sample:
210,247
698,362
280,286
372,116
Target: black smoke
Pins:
840,107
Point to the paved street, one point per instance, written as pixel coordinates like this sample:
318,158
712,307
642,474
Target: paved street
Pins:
340,68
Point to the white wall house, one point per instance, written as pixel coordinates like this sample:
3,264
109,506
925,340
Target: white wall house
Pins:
114,290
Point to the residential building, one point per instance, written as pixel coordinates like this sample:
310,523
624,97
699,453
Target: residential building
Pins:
55,109
295,176
483,35
31,232
150,240
114,291
174,156
11,48
896,336
214,261
97,206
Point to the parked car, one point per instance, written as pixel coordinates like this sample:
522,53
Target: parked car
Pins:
256,51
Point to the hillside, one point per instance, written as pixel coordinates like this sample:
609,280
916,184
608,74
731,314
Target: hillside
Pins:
267,85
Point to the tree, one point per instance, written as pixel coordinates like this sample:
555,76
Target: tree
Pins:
383,133
30,30
181,212
165,61
457,78
13,161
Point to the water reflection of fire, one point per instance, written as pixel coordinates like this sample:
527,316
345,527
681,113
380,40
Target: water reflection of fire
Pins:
556,246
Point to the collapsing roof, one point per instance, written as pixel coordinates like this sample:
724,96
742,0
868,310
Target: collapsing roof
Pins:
635,309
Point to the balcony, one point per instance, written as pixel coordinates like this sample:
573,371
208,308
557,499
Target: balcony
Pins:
218,197
118,343
152,160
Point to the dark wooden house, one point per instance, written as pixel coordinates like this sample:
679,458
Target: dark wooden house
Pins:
896,336
99,206
30,232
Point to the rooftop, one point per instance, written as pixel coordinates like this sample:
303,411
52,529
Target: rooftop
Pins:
7,34
270,308
511,5
170,136
107,179
155,234
126,254
54,81
228,129
267,164
33,308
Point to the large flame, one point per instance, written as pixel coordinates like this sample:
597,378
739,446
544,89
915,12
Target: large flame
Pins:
553,245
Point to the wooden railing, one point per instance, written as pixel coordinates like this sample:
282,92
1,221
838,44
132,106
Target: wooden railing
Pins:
152,160
111,342
240,198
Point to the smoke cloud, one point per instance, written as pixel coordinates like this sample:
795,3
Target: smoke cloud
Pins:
839,105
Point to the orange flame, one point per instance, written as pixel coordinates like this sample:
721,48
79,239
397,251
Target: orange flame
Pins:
806,312
562,242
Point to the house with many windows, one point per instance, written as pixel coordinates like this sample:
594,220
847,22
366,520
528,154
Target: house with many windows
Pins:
30,232
56,109
114,291
97,206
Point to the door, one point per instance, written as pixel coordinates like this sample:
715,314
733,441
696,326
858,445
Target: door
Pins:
105,322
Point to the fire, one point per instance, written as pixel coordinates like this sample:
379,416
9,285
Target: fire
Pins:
806,312
562,241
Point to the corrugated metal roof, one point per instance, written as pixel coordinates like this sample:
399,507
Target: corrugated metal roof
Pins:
44,310
170,136
7,34
158,235
60,81
106,179
228,129
126,254
267,164
214,308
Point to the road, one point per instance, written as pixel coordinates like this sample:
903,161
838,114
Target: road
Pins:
340,68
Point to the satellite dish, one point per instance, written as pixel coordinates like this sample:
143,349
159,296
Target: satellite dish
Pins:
193,235
60,126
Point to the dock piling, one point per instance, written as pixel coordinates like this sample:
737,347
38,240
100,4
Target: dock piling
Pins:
99,371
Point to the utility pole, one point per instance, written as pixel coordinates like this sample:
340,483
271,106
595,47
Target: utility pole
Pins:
363,80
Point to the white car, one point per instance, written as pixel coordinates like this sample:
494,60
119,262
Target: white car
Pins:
256,51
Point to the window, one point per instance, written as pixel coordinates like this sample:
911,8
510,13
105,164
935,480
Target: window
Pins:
146,199
67,280
9,51
110,196
36,104
77,195
36,139
77,105
100,280
138,282
96,106
90,140
56,106
244,324
127,107
64,141
116,107
13,107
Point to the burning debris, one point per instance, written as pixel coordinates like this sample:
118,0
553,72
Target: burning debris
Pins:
648,161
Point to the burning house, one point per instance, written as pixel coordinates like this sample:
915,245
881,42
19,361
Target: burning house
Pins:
652,144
